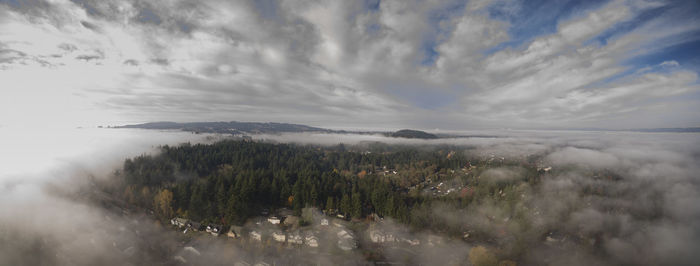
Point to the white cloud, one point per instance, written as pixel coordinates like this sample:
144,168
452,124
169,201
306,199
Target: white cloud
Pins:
670,63
336,63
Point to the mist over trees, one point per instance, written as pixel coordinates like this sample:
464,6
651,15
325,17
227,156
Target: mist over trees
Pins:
545,198
519,208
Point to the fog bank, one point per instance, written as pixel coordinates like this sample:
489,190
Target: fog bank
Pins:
643,209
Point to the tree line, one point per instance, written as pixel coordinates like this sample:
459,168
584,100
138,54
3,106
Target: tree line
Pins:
231,181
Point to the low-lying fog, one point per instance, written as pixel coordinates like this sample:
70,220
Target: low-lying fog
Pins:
44,222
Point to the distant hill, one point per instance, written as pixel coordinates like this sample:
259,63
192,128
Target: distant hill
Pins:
670,130
232,127
236,128
412,134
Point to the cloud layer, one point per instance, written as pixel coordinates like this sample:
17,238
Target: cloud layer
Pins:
448,64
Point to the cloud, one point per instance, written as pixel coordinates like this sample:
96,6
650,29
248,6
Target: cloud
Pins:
326,62
586,157
49,212
670,63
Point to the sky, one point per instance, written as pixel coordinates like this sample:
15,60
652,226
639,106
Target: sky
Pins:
429,64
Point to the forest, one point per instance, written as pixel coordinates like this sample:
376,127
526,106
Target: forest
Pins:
514,207
231,181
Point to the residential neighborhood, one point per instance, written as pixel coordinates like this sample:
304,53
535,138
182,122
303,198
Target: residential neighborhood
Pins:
323,235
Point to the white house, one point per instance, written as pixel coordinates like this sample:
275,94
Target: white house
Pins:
279,236
311,241
379,236
274,220
295,238
346,241
376,236
214,229
255,235
179,222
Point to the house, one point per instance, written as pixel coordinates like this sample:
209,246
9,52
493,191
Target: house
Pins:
295,238
179,222
235,232
378,236
279,236
255,235
274,220
311,240
214,229
346,241
390,237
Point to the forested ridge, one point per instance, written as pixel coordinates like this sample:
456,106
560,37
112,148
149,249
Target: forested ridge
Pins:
506,204
230,181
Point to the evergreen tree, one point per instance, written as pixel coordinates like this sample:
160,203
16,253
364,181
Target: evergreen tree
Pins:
345,205
221,197
231,212
330,204
356,205
196,208
313,196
